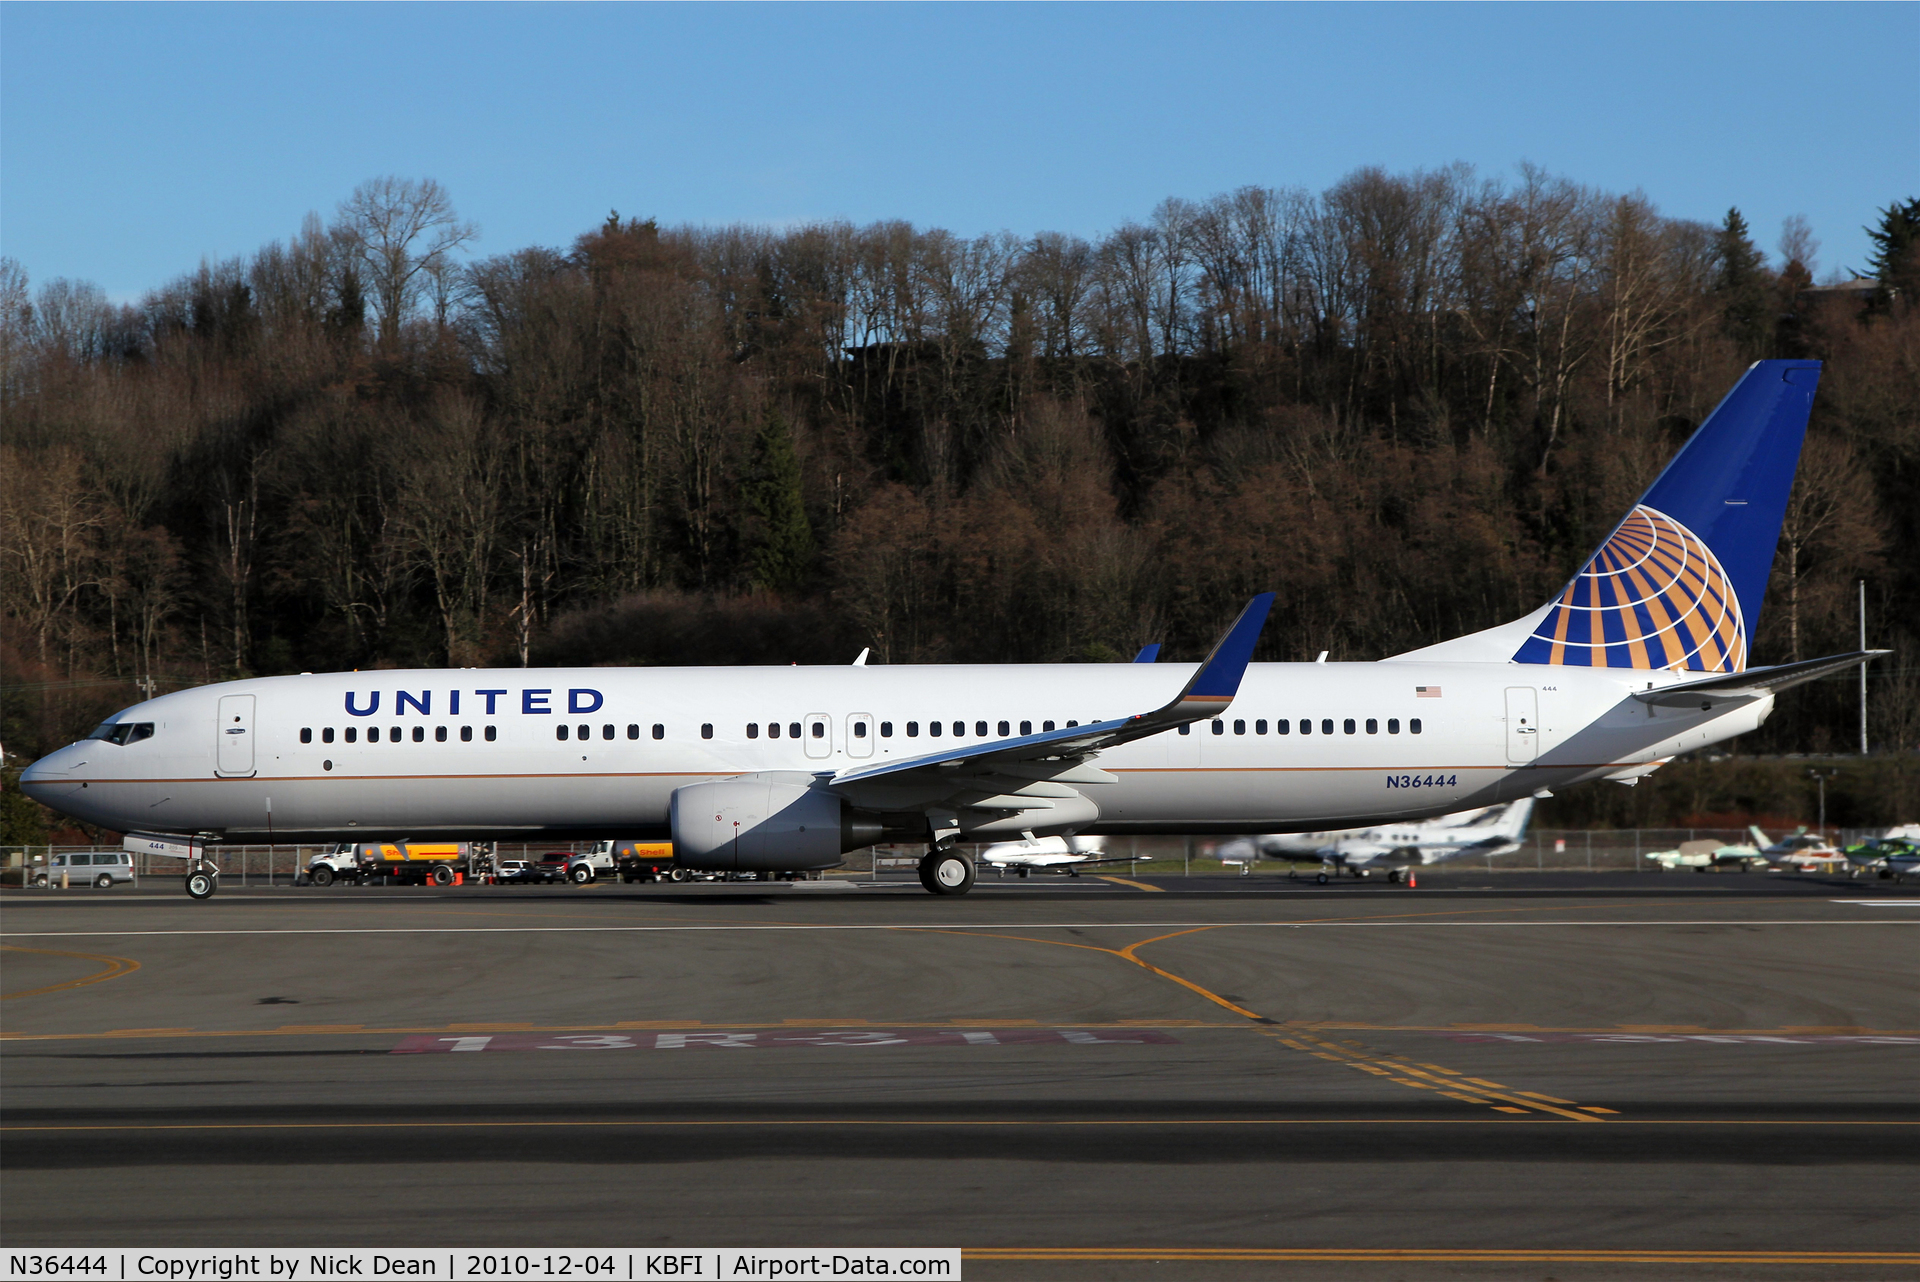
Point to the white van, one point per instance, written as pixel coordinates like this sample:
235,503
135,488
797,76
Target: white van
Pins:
101,867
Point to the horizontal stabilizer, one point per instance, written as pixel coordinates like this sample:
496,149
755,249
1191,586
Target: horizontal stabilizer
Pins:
1754,683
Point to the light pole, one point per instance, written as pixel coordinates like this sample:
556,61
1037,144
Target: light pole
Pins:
1816,773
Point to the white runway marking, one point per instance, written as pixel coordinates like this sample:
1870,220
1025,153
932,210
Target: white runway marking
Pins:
930,925
1879,903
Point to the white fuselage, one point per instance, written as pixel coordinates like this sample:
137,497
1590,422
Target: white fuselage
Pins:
480,753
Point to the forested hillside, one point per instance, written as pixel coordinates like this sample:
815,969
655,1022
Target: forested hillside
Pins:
1409,404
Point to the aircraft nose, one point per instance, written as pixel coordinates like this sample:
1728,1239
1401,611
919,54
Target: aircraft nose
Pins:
52,768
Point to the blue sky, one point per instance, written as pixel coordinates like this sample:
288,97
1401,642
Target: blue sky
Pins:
137,139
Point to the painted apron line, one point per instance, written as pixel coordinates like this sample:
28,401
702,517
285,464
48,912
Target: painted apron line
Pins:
776,1041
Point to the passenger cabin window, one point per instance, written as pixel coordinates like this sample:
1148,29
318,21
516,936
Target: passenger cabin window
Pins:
1282,726
913,729
1239,727
606,732
706,731
1071,724
1348,725
326,735
1260,727
1026,727
793,729
1186,727
586,733
886,729
859,729
306,734
773,729
1393,725
753,729
959,729
419,734
1046,726
1373,727
1006,728
490,734
633,731
819,730
466,734
560,732
1413,726
1306,726
1219,726
439,734
933,728
980,730
1326,725
659,731
352,733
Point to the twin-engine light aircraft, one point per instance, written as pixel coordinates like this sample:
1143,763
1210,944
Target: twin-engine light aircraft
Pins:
1398,848
1642,656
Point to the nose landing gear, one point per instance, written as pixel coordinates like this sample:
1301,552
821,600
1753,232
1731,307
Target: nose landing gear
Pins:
202,880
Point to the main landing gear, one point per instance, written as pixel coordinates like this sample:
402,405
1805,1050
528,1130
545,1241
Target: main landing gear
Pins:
946,872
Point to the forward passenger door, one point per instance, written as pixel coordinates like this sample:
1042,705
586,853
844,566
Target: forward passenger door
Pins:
233,736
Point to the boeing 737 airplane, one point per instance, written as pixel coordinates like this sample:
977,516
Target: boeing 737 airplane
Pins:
1642,656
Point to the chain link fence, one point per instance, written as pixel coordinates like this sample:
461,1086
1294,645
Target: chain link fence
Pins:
1541,850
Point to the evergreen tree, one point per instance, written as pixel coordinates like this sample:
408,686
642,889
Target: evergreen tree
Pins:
782,539
1896,253
1746,313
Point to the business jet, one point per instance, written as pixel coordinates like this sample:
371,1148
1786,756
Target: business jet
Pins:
1641,657
1400,848
1069,855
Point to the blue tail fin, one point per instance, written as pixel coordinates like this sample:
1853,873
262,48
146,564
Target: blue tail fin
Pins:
1679,583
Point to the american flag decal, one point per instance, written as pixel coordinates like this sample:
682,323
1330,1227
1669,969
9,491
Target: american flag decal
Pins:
1426,692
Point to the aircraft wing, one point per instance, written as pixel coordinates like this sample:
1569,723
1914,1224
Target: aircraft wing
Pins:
1033,763
1754,683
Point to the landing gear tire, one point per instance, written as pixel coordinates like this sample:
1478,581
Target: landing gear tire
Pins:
443,876
1322,879
321,876
1393,876
947,872
103,882
201,884
581,876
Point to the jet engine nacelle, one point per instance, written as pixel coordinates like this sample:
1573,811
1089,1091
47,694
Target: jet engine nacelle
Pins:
765,824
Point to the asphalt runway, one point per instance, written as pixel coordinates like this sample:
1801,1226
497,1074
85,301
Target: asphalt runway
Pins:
1554,1076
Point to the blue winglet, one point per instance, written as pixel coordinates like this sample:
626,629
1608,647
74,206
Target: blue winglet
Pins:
1219,677
1148,654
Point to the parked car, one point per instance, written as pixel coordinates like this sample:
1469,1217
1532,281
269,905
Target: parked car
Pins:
516,872
102,868
553,866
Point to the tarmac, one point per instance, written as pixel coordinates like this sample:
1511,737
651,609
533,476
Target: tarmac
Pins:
1532,1076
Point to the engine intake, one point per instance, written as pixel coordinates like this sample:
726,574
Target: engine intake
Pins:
760,824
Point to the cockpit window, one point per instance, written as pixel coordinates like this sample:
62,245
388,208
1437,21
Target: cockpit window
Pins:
123,732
